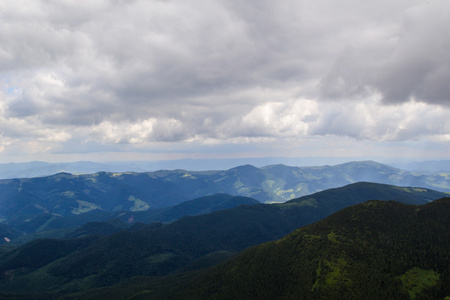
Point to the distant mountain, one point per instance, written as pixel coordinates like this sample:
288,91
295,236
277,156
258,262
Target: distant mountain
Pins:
374,250
186,244
66,194
425,167
39,168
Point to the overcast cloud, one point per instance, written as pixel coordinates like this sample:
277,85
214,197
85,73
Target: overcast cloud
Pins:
241,77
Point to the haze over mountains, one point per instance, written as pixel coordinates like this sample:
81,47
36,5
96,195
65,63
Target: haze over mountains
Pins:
39,168
65,235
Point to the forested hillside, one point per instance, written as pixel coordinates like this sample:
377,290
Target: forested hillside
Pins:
191,243
374,250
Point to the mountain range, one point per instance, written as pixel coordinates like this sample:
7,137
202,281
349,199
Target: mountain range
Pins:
66,194
54,266
151,234
40,168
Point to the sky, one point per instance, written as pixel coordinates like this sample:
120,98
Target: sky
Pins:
159,79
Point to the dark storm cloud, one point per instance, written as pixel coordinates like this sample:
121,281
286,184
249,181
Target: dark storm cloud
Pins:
416,65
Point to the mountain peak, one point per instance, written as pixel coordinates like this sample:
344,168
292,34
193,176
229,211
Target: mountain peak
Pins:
245,167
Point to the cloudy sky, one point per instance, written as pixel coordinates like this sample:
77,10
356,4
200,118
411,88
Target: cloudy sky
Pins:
162,79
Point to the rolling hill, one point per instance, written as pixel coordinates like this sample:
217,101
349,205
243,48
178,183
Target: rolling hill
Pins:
187,244
102,222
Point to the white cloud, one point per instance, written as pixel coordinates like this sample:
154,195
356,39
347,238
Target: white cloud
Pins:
104,74
368,120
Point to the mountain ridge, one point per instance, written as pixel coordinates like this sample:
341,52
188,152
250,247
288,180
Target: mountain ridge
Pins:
158,250
348,255
66,194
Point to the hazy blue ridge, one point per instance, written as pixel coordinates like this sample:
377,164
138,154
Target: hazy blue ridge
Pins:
66,194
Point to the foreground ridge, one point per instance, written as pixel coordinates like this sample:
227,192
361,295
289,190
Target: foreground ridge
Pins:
374,250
